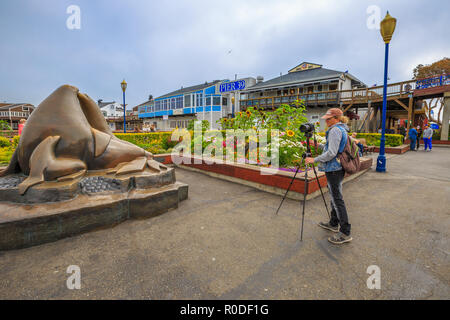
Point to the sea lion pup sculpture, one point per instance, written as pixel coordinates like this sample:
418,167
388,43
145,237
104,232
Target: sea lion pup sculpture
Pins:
66,136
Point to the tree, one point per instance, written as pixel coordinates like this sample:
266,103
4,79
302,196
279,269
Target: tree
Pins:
435,69
431,70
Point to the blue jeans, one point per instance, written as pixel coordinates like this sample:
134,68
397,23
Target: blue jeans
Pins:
427,142
361,149
412,146
338,209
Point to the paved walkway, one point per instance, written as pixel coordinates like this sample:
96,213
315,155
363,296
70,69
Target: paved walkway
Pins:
226,243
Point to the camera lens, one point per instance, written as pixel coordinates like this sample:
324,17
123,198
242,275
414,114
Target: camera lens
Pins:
307,127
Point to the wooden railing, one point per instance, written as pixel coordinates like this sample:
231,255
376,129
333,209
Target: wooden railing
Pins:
362,95
128,118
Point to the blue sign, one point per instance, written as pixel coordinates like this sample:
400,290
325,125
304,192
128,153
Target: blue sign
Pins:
434,126
232,86
433,82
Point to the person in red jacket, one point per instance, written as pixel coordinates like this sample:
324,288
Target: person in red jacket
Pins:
21,125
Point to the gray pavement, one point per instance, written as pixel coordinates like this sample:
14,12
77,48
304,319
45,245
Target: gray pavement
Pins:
225,242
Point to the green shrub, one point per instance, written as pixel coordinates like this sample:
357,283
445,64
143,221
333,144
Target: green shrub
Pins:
205,125
5,155
373,139
4,142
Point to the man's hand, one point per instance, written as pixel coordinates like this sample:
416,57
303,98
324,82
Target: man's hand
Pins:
309,160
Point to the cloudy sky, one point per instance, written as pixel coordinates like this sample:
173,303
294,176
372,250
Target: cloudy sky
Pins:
159,46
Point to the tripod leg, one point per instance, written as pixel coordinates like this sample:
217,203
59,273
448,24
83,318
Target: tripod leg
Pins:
298,168
304,199
321,192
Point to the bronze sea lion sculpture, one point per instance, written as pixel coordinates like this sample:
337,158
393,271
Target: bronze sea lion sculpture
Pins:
66,136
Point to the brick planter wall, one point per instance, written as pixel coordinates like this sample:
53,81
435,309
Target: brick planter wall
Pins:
251,175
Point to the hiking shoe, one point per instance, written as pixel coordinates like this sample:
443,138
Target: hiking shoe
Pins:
328,226
340,238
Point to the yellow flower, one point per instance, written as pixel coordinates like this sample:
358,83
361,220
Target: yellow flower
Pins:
248,113
289,123
290,133
224,119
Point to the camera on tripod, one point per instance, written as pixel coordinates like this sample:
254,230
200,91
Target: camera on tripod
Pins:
307,128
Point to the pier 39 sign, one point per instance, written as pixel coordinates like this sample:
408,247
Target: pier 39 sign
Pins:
232,86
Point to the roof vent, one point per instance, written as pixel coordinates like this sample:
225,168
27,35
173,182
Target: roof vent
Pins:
259,79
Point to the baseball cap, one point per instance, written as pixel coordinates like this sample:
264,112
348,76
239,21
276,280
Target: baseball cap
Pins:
333,112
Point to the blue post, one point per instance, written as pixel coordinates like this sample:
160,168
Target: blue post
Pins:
381,161
124,115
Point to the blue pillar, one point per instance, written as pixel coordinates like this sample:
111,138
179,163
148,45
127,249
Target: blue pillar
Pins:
381,161
124,114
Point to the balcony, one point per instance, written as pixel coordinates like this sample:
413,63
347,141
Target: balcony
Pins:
316,98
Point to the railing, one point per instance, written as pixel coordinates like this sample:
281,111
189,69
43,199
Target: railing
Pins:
309,98
362,95
128,118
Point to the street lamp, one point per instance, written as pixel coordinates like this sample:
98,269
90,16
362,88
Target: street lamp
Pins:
387,27
124,87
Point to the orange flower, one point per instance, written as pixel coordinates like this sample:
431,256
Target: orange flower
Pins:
290,133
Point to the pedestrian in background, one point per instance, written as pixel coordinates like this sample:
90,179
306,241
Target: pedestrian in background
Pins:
359,144
412,138
419,136
427,137
403,133
21,125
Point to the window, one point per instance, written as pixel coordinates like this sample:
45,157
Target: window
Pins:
172,103
208,101
310,89
319,88
216,101
224,101
187,100
199,99
300,90
179,103
333,86
314,117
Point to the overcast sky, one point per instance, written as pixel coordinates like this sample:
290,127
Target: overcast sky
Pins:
159,46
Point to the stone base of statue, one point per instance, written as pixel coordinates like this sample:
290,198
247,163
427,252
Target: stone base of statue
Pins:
57,209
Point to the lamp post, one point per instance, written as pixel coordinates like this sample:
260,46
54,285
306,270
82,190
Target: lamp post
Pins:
387,27
124,87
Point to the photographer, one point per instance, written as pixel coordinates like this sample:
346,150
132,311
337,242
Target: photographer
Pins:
336,140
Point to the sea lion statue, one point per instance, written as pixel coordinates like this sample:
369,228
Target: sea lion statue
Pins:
66,136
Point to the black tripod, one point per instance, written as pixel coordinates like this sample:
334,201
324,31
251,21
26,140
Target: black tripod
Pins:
304,156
